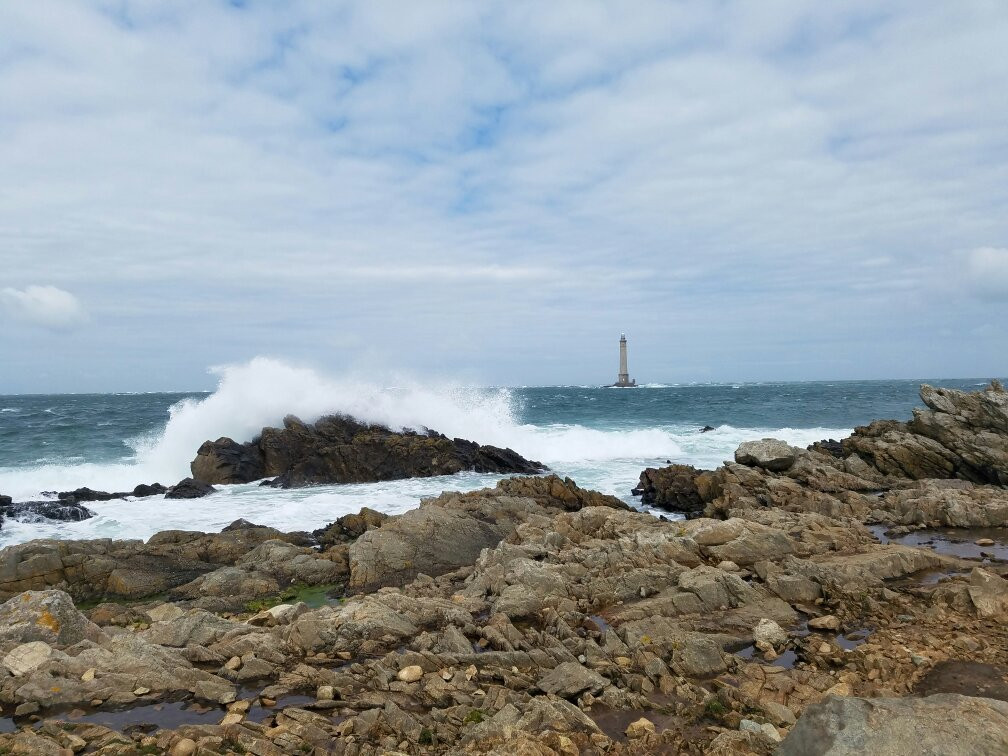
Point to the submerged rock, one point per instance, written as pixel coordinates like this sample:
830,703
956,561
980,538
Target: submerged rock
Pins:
339,449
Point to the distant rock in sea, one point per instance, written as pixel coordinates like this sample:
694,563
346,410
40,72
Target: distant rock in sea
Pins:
339,449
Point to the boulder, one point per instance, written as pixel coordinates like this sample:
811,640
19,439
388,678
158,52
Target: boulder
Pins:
988,592
768,454
188,488
339,449
571,679
152,489
48,616
938,725
432,540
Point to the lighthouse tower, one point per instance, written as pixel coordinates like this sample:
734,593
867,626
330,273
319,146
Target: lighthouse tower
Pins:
623,379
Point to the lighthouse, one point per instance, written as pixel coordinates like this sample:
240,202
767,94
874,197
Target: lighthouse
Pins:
623,379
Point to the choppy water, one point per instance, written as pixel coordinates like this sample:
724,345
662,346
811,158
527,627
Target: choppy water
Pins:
601,437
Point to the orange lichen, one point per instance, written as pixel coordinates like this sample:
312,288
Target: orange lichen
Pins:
46,619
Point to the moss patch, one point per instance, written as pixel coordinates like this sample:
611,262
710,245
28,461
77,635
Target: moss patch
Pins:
313,595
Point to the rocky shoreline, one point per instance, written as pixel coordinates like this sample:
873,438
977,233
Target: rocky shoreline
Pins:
845,598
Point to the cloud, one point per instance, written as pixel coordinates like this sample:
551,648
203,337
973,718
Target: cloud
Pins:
691,173
44,306
987,272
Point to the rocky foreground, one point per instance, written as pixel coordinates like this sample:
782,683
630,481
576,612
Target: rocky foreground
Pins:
540,618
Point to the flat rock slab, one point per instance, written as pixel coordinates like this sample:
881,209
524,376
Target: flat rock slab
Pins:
934,726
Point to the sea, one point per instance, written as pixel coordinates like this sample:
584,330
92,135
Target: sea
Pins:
600,437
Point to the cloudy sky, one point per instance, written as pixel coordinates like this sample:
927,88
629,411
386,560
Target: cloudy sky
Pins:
491,192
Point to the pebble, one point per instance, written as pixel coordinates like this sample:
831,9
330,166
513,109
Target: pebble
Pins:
141,691
984,541
88,675
232,718
824,648
233,663
325,693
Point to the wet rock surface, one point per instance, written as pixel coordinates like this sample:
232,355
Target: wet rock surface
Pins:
535,617
339,449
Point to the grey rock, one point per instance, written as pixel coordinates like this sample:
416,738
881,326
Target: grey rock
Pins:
571,679
932,726
768,453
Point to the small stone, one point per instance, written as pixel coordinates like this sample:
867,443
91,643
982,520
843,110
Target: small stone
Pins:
88,675
411,673
325,693
728,566
268,702
232,718
184,747
826,622
984,541
96,702
141,691
918,660
624,661
640,728
447,674
233,663
470,672
240,706
824,648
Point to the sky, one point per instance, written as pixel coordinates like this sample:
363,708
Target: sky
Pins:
492,192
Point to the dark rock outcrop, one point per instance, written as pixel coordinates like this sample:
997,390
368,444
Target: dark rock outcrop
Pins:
62,510
86,494
187,488
152,489
349,527
339,449
671,488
